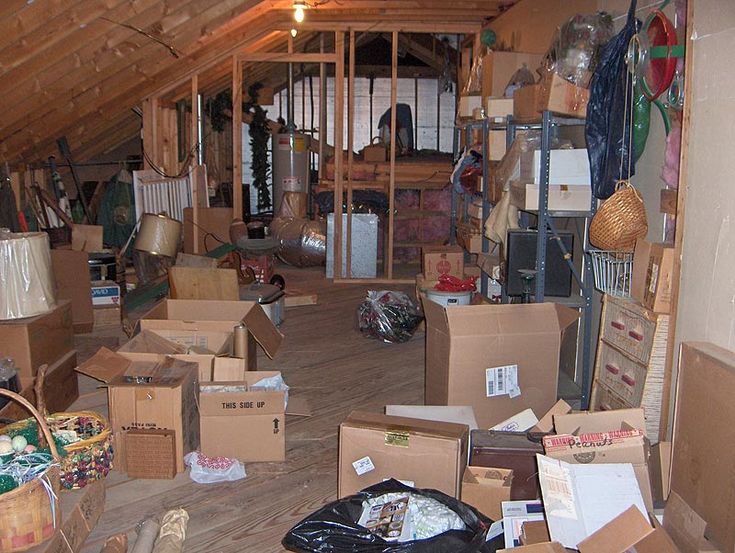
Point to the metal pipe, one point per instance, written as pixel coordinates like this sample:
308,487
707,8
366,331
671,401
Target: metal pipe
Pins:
291,123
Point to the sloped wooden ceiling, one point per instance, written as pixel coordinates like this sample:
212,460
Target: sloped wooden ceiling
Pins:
77,68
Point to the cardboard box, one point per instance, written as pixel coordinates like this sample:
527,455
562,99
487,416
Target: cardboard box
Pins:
71,274
703,453
469,348
107,316
581,499
569,167
33,341
105,292
686,528
499,67
426,454
80,511
516,514
228,369
498,109
217,316
86,238
469,238
561,197
486,488
496,145
442,260
525,102
248,425
165,398
630,531
60,389
604,437
561,97
535,531
653,266
468,104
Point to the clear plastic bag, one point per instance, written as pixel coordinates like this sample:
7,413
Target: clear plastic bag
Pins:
210,470
388,316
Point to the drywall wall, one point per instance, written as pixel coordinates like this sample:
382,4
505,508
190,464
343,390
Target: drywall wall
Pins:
529,26
707,293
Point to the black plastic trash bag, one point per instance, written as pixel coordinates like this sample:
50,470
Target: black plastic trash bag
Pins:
608,125
334,527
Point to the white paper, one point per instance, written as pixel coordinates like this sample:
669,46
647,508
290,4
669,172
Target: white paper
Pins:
518,423
500,381
581,499
460,414
363,466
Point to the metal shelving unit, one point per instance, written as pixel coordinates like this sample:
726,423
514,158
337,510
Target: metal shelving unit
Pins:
547,227
467,128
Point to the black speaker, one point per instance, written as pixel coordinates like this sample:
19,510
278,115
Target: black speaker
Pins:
522,255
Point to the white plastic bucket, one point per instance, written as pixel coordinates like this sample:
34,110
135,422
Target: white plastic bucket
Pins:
449,299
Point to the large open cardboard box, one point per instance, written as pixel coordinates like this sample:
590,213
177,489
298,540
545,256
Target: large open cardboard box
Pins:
472,353
425,454
217,316
165,397
71,275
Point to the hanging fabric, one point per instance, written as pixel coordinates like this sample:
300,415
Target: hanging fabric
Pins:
607,129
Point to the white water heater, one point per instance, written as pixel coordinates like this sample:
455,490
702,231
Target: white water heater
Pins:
290,165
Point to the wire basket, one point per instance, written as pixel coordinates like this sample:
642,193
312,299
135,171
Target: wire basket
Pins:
613,272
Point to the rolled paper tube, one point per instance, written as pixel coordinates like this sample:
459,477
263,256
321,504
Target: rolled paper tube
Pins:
172,534
146,536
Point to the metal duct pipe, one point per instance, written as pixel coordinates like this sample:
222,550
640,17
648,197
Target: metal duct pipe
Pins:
291,122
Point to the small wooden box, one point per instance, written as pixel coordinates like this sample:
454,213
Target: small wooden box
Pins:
151,454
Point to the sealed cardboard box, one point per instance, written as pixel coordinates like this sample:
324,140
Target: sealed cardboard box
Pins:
653,265
243,420
498,109
479,355
107,317
567,166
467,104
60,389
604,437
561,197
33,341
561,97
80,511
149,395
486,488
442,260
105,292
71,274
217,316
424,454
703,452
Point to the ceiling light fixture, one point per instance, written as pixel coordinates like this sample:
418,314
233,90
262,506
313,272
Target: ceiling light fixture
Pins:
294,32
298,10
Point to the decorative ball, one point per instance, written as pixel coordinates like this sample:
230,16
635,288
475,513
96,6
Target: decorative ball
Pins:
488,38
19,443
5,438
6,448
30,448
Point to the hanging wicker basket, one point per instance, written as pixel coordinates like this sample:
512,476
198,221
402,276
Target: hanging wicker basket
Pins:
85,461
620,221
30,513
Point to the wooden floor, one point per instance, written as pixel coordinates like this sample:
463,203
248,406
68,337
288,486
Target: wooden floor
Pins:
323,358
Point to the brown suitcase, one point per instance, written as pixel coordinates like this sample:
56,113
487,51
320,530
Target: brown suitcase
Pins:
509,450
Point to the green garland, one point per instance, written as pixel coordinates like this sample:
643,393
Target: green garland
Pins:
259,137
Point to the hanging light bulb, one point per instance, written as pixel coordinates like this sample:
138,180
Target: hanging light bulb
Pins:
298,14
294,32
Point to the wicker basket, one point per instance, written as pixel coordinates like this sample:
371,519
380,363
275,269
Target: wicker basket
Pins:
86,460
620,221
30,513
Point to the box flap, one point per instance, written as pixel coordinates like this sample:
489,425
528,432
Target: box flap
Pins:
458,414
565,315
105,366
618,535
550,547
485,476
683,524
546,424
586,422
507,319
263,329
377,421
148,341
